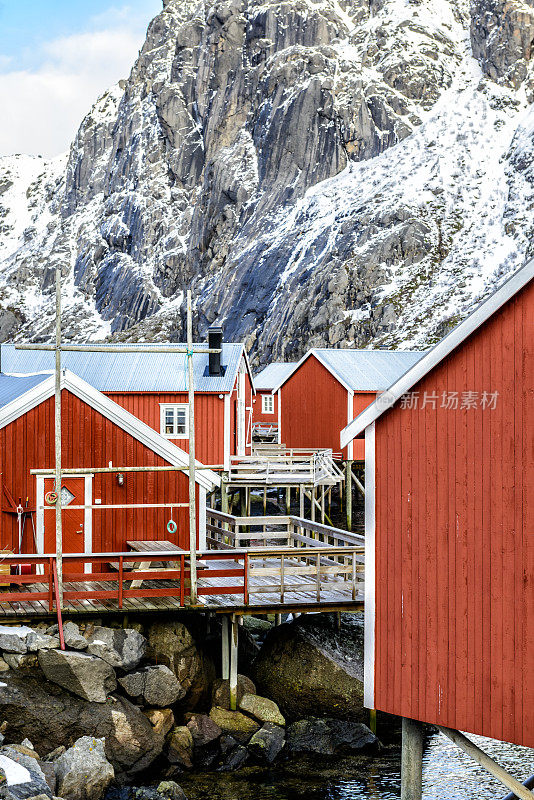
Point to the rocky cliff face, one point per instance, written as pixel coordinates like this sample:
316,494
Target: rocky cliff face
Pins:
318,172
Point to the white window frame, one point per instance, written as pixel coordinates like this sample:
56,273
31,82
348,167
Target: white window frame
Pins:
265,410
163,408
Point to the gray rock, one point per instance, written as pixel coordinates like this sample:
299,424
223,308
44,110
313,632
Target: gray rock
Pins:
55,718
25,777
172,644
261,709
21,660
179,747
83,771
328,736
221,691
203,729
41,641
84,675
171,791
119,647
156,685
73,638
267,743
161,719
309,667
235,759
13,639
235,723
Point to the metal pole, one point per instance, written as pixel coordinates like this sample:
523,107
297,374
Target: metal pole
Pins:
485,761
192,487
59,532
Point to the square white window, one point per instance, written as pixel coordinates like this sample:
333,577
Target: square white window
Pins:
174,421
267,404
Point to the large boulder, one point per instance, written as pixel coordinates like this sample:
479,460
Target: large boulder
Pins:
120,647
24,776
172,644
309,667
156,685
83,771
52,717
73,638
82,674
179,747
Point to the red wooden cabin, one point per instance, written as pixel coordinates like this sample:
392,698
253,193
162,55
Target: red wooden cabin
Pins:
327,388
96,432
153,387
449,467
266,405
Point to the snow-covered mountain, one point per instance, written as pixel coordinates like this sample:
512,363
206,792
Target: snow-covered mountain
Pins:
319,172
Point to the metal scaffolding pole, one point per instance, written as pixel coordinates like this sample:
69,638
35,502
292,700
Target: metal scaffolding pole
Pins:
59,531
192,487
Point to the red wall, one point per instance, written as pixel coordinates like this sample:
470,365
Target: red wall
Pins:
209,419
360,401
455,541
258,415
90,440
314,408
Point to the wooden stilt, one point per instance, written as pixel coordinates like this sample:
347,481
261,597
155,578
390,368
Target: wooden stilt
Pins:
322,505
412,760
234,638
348,493
277,619
264,502
288,500
224,493
372,720
313,503
301,501
243,502
225,644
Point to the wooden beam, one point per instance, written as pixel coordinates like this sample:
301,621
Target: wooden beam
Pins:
192,464
478,755
57,403
348,493
358,483
412,760
234,641
225,648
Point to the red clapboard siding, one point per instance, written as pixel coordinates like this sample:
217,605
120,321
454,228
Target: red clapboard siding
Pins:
259,416
360,401
90,440
209,419
314,407
455,540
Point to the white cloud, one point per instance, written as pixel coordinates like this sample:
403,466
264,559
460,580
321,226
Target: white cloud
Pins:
42,108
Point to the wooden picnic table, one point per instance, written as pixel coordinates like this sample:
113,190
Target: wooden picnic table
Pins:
162,545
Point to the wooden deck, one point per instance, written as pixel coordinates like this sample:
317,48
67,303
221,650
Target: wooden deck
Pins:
279,466
253,565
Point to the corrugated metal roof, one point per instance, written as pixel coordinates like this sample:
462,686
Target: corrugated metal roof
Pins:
12,387
273,375
368,370
130,371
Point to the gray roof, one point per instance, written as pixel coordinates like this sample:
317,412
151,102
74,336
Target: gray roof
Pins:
273,375
517,281
364,370
11,388
130,371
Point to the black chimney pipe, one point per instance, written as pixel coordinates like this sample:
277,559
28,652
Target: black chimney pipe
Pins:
215,337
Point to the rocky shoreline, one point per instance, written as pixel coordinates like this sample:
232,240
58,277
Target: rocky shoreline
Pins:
128,712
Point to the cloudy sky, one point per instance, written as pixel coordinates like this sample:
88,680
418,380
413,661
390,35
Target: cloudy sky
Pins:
56,58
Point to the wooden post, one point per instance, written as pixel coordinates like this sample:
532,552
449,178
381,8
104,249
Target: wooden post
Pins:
192,487
243,499
234,638
322,505
412,760
288,500
225,648
301,500
224,493
265,502
478,755
277,619
57,398
313,503
372,720
348,493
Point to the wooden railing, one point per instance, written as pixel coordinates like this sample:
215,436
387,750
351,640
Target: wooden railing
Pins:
278,466
225,531
308,569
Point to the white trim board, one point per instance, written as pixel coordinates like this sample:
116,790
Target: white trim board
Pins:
456,337
370,566
112,411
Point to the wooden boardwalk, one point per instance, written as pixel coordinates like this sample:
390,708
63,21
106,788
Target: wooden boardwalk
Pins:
254,565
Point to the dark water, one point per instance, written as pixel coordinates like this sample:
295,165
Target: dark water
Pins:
448,775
